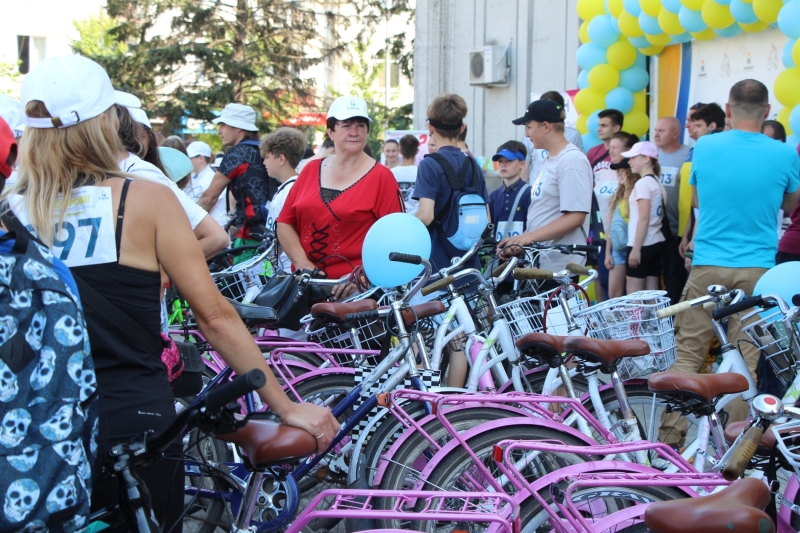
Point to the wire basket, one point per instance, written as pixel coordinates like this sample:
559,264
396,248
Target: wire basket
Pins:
634,317
787,438
525,315
769,334
478,305
243,282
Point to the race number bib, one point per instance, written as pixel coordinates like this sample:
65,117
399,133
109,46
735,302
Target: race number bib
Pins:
607,188
87,234
504,230
537,187
669,176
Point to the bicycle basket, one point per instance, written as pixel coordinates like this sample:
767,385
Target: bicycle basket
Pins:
525,314
770,336
787,438
478,305
634,317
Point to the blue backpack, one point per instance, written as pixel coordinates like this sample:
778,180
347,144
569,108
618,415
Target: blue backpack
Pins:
464,227
48,399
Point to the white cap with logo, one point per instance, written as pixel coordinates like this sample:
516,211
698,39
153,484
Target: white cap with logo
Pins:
197,148
346,107
238,116
73,89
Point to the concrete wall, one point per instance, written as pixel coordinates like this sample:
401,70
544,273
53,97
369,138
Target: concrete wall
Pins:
544,40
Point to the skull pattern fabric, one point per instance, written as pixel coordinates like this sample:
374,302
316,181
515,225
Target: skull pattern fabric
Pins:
48,397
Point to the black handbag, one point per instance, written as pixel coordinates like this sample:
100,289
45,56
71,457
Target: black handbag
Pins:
289,296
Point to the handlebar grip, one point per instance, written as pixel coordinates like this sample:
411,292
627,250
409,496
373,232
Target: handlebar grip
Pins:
488,231
586,248
230,392
352,317
437,285
405,258
741,455
578,270
796,300
673,310
531,273
499,270
746,303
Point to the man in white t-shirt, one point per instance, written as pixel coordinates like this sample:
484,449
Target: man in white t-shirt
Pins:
200,154
406,172
282,150
537,156
561,194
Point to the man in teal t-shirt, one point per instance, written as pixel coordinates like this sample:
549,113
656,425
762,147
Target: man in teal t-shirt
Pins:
740,179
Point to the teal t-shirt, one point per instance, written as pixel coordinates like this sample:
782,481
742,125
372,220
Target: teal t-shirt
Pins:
741,178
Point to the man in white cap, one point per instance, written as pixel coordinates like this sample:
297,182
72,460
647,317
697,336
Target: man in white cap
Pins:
243,169
200,154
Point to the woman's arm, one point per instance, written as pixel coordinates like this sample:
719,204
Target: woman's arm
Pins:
609,260
290,242
643,205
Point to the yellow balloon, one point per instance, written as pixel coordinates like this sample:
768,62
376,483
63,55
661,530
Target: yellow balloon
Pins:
637,122
767,10
589,9
583,32
603,78
717,16
796,52
755,27
621,55
670,23
705,35
783,118
662,39
589,100
652,50
629,25
696,5
580,124
640,101
615,7
786,87
651,7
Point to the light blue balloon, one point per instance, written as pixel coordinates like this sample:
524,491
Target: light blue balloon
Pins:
649,24
789,19
632,7
592,122
639,42
743,12
731,31
723,2
673,6
786,54
641,60
793,140
620,99
601,31
583,79
590,55
783,280
398,232
615,25
590,140
684,37
634,79
691,20
794,119
605,7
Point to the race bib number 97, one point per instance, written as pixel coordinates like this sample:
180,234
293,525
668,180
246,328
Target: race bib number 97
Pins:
86,236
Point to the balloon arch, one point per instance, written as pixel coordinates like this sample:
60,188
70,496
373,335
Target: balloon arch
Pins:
618,34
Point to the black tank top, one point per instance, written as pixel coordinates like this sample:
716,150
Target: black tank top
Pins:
134,391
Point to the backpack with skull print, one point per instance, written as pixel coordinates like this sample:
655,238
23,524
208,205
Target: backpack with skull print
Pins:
48,400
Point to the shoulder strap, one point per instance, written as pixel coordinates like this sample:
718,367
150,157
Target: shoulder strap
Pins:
20,241
120,215
456,182
597,160
522,191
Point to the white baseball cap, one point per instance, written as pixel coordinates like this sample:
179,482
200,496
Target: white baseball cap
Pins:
140,116
642,148
12,113
198,148
238,116
346,107
73,89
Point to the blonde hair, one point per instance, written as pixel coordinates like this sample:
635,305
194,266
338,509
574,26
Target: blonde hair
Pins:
52,160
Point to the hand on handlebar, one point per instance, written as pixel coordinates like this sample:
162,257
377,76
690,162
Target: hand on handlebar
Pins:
342,291
316,420
512,246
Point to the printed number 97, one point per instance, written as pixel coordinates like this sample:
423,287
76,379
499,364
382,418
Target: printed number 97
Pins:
67,242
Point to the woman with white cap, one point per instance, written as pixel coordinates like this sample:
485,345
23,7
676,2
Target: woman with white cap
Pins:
646,240
337,199
137,228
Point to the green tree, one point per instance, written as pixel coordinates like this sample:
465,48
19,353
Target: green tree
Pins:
9,73
96,38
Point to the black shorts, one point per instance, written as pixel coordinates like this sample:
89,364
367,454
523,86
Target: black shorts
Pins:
650,265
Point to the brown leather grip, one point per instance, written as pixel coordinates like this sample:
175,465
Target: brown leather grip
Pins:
437,285
578,270
744,451
499,270
531,273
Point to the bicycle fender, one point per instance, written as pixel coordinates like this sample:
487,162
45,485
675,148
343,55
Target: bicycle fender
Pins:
289,387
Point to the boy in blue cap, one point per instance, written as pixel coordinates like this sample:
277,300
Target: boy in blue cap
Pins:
508,205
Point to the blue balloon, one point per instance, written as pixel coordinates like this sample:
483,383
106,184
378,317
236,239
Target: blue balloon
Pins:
634,79
592,122
731,31
786,54
783,280
641,60
601,31
794,119
398,232
605,7
632,7
789,19
793,140
684,37
583,79
691,20
590,140
649,24
743,12
639,42
723,2
590,55
673,6
620,99
615,24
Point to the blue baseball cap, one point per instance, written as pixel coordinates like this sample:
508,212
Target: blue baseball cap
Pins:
508,154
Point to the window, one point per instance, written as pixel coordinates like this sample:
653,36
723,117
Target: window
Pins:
30,52
394,76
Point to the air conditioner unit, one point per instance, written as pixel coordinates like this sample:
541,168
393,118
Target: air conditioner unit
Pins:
488,65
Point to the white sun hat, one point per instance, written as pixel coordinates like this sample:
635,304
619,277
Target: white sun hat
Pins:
346,107
73,89
238,116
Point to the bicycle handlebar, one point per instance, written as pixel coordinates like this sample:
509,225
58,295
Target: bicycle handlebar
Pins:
438,285
578,270
531,273
741,455
746,303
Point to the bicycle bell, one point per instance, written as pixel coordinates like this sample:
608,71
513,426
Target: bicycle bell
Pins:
717,290
768,407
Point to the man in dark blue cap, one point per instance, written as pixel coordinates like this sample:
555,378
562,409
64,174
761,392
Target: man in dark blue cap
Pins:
508,205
